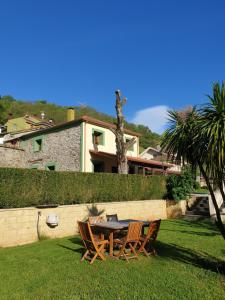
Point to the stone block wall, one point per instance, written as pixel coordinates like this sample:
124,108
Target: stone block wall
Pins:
61,147
22,225
11,157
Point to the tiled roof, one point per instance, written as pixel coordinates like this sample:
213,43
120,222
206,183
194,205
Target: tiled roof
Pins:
149,162
86,119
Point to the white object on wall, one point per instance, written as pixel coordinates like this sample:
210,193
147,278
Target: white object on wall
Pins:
52,220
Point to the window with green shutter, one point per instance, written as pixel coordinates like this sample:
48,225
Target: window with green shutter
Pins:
50,167
131,148
98,137
37,144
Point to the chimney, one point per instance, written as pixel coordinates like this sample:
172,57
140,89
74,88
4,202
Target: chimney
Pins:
70,114
42,115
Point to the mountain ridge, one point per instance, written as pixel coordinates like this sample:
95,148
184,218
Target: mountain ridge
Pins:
18,108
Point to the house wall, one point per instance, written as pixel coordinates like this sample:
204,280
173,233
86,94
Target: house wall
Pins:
59,147
22,225
11,157
20,124
109,145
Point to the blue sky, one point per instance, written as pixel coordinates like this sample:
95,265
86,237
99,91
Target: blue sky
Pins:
160,54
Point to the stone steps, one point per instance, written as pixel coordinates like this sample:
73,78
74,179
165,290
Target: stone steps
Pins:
193,217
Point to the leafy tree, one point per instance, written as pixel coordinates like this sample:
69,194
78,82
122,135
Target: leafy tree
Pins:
180,187
1,114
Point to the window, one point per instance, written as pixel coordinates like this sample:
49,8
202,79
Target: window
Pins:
14,127
50,167
98,166
37,144
98,137
131,148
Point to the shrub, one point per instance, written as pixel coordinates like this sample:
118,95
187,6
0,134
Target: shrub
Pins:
25,187
180,187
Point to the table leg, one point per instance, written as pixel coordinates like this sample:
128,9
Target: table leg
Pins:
111,243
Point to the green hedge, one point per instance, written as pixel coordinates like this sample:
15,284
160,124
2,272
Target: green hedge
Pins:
24,187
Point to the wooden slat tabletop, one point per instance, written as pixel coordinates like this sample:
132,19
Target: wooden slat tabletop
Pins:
122,224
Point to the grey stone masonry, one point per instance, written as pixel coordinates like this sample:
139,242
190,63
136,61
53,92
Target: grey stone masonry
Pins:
12,157
60,147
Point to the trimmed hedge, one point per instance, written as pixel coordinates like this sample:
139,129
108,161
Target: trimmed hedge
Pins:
25,187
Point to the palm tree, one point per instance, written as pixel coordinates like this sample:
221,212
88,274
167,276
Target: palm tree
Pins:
212,127
185,140
177,140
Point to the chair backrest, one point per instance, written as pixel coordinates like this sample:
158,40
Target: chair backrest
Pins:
112,218
95,219
134,231
86,234
153,230
84,231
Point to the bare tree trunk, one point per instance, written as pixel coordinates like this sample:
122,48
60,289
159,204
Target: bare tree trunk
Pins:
121,145
120,149
219,222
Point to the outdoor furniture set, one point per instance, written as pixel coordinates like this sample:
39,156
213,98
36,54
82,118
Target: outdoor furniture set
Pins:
128,237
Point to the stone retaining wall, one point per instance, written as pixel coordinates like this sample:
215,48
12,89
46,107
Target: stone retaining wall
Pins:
23,225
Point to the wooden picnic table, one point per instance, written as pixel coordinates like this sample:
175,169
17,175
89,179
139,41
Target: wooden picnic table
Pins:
112,227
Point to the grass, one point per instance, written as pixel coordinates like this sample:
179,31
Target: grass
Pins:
190,265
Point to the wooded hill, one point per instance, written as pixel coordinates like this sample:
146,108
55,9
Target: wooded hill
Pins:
20,108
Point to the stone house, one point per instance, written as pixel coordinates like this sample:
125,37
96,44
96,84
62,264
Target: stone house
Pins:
85,144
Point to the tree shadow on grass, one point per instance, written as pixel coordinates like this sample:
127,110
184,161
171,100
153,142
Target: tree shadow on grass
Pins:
208,234
189,256
77,241
203,225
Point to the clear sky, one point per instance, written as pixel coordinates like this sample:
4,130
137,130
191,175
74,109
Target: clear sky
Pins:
160,54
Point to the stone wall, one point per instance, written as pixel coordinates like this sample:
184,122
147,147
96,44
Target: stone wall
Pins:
12,157
23,225
60,147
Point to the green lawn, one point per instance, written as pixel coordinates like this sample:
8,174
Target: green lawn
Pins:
190,265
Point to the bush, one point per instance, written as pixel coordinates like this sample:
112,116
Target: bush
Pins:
180,187
25,187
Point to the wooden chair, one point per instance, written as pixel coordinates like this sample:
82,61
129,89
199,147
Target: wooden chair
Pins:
95,219
95,231
147,240
130,241
112,218
94,246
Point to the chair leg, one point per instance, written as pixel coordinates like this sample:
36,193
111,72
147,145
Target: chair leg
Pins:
93,258
133,249
121,252
145,251
85,255
100,252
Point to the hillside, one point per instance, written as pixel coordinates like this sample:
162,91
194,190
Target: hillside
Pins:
58,113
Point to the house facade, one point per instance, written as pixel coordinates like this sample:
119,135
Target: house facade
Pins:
25,123
71,146
156,154
84,145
